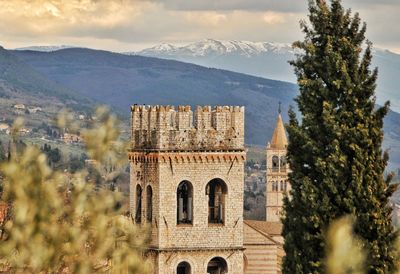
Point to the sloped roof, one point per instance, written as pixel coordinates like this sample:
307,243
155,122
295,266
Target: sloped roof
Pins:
279,140
271,228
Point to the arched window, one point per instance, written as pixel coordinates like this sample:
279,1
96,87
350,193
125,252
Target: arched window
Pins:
149,196
183,268
283,161
281,185
184,199
138,214
216,190
217,266
275,163
285,185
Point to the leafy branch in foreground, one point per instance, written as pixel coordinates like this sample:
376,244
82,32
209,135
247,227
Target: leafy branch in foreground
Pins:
59,223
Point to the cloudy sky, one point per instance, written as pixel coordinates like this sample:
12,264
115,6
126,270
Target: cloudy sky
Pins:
124,25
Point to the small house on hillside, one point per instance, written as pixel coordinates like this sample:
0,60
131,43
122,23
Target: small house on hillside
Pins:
71,138
34,109
4,127
19,106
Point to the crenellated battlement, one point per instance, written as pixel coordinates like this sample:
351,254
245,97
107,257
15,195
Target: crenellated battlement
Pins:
166,128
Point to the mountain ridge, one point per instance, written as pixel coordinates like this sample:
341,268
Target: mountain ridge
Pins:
120,80
270,60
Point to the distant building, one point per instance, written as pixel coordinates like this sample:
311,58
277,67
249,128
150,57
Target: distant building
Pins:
34,109
24,131
277,172
71,138
263,245
262,240
81,117
19,106
4,127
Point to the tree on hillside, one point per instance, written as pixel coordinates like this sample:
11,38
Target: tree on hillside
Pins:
335,152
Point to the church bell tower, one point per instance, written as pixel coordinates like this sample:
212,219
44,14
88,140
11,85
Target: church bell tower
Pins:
277,171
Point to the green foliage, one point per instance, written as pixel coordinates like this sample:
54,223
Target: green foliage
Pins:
60,224
335,152
53,154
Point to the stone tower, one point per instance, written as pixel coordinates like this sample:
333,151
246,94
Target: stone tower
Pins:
187,184
277,172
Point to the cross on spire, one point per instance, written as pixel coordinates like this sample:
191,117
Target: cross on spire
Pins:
279,109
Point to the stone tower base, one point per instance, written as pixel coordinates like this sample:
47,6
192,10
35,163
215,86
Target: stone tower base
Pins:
166,261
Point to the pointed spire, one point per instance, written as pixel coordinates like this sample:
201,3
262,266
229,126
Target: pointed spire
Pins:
279,140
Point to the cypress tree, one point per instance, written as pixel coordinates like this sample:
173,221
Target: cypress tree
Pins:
335,152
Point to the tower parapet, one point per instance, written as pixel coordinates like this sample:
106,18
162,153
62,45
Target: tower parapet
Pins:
165,128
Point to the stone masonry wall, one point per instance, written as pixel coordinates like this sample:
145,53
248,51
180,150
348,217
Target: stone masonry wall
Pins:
164,175
162,127
169,147
198,260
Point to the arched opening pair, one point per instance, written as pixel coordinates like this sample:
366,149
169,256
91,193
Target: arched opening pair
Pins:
216,265
149,204
216,190
278,163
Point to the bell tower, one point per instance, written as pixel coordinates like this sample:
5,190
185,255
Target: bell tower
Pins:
186,184
277,171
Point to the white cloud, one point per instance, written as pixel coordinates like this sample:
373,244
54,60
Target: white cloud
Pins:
273,18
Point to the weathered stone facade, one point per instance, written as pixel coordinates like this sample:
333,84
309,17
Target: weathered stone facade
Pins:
187,173
277,172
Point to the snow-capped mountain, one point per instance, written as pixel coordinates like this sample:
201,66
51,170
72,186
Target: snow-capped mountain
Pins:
218,47
46,48
262,59
270,60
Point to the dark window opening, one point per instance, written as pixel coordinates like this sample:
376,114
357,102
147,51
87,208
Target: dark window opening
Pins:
216,190
217,266
138,214
275,163
283,161
185,203
149,213
183,268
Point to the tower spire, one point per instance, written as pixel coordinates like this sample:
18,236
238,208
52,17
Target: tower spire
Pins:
279,139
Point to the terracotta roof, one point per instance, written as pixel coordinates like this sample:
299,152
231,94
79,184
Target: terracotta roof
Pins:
271,228
279,140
